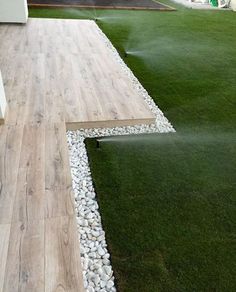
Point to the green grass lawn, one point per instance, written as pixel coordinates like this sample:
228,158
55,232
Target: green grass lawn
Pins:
187,61
168,200
169,210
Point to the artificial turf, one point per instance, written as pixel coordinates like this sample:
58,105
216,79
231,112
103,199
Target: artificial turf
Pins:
169,210
168,200
186,59
102,4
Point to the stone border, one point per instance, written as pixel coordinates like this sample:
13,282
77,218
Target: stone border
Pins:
96,263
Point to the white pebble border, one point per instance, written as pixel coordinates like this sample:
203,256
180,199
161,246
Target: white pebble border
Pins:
97,269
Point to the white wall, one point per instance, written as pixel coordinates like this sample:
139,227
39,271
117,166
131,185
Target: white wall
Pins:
233,4
13,11
3,102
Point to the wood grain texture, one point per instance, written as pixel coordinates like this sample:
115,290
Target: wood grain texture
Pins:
10,147
62,71
59,202
4,242
62,267
56,158
25,258
30,190
59,195
57,74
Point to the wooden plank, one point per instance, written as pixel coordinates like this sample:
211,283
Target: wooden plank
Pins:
74,79
35,103
62,258
53,97
57,168
59,199
59,202
34,201
4,241
10,147
25,260
102,87
56,72
17,76
30,191
73,126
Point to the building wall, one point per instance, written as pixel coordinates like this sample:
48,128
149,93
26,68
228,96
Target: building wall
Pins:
13,11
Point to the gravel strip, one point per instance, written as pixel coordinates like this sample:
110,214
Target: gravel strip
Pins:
97,269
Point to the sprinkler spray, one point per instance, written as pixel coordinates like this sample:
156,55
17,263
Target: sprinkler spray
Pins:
97,144
126,54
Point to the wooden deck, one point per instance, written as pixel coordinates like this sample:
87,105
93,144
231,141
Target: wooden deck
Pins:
39,247
57,73
61,71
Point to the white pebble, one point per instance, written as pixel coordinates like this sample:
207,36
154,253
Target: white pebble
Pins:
90,289
102,284
110,284
101,251
97,270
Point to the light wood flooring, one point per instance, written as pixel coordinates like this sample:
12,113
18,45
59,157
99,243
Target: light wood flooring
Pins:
61,71
57,74
39,247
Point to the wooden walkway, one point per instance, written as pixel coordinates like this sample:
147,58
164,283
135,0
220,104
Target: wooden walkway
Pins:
57,73
61,71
